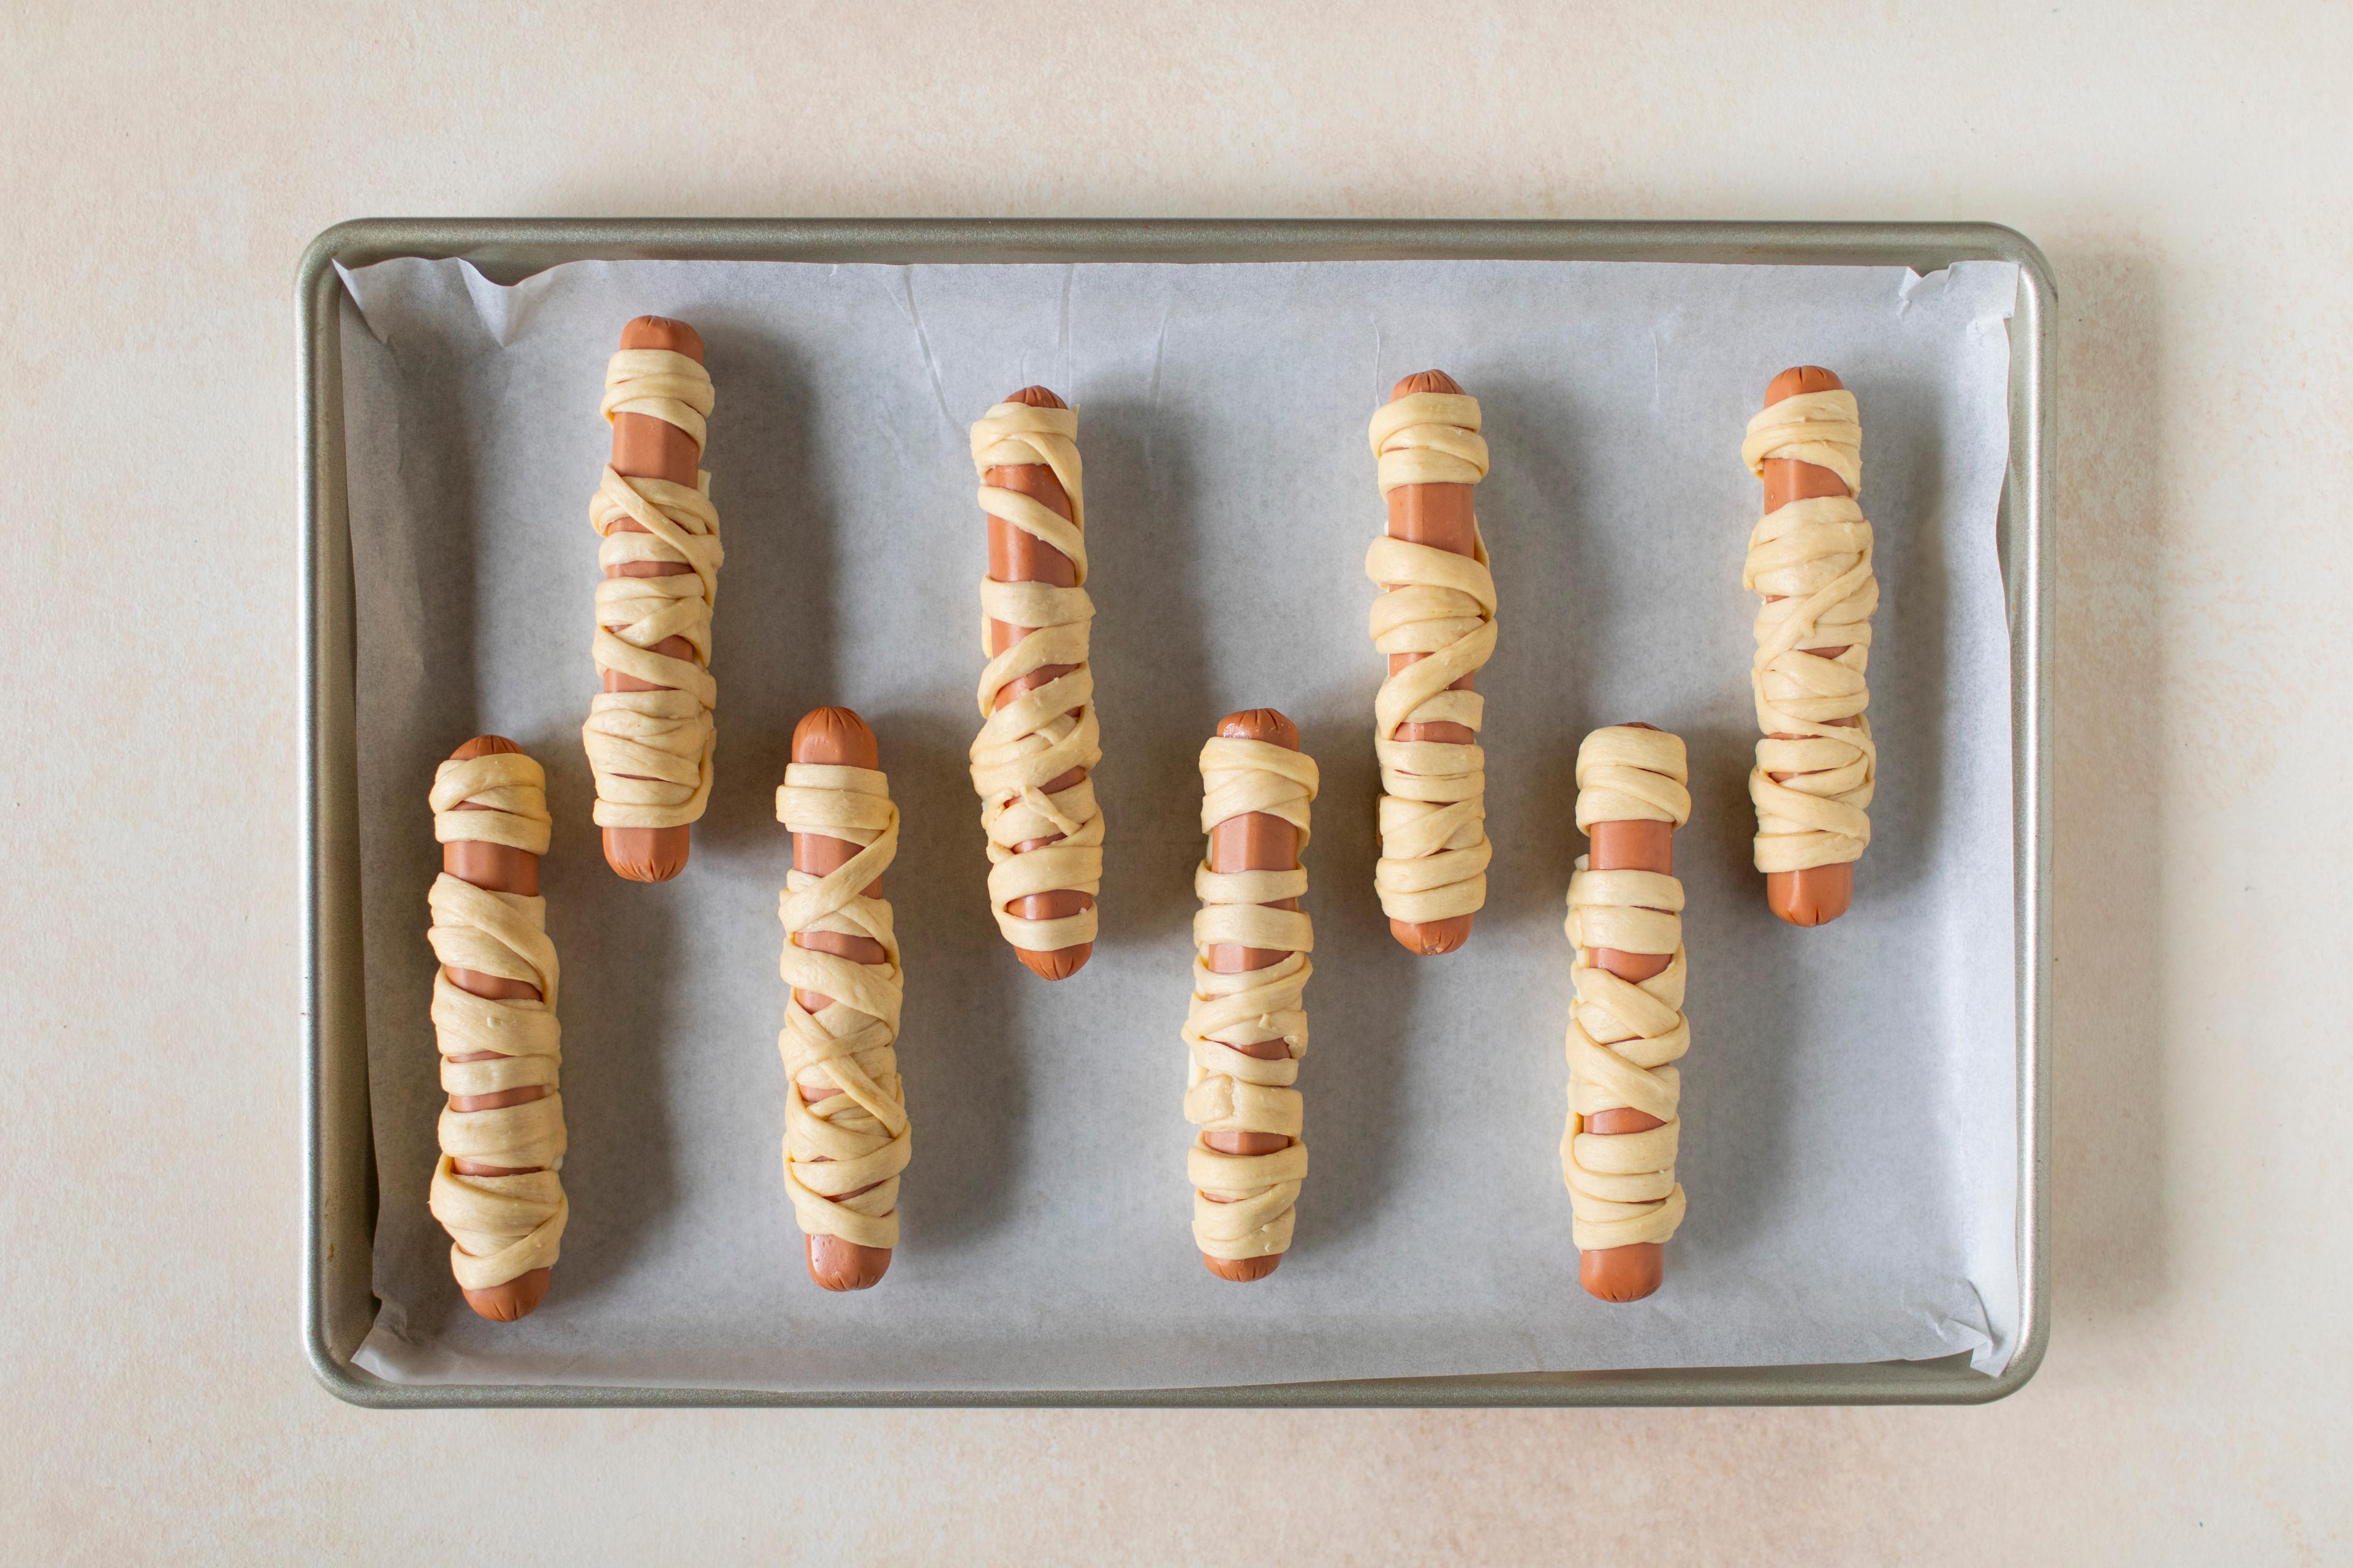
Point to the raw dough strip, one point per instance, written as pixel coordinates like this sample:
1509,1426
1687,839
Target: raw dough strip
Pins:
651,751
857,1138
1811,559
1433,816
1623,1038
1244,1204
500,1226
1044,733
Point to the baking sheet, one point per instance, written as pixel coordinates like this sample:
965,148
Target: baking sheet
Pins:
1851,1145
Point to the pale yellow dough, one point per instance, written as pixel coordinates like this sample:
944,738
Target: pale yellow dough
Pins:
859,1136
1624,1038
1811,559
651,751
1228,1090
500,1226
1045,732
1433,812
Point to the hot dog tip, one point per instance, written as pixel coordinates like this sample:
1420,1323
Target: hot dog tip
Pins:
486,746
1813,897
1056,963
645,854
1426,381
1622,1274
663,332
836,735
1799,379
1036,397
1432,939
518,1298
1269,724
843,1265
1242,1270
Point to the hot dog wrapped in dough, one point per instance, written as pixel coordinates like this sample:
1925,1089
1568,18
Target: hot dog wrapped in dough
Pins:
1809,556
1627,1029
845,1130
649,735
495,1188
1038,737
1435,619
1246,1027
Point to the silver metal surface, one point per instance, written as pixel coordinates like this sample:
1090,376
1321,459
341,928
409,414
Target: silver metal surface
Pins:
338,1154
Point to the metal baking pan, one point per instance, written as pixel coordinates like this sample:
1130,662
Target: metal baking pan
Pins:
338,1157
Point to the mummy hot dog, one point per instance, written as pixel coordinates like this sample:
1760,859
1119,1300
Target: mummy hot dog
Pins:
1038,736
846,1136
1627,1029
1436,621
494,1188
649,735
1246,1025
1810,557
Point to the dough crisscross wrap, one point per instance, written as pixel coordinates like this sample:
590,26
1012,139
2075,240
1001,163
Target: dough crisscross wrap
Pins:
1624,1038
1433,813
1043,733
857,1138
1812,560
651,751
500,1226
1244,1204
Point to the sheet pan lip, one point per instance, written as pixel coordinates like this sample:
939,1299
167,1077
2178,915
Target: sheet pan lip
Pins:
309,278
519,246
317,290
514,247
1862,1382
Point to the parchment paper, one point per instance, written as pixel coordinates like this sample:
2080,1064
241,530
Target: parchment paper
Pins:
1849,1100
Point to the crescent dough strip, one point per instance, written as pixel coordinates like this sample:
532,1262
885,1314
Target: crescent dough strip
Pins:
651,751
857,1138
500,1226
1624,1038
508,794
1811,560
1433,814
1243,1204
1047,731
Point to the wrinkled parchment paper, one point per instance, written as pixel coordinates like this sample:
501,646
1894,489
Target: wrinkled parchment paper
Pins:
1850,1100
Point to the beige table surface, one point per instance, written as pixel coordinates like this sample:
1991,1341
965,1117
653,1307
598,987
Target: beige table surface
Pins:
2188,174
